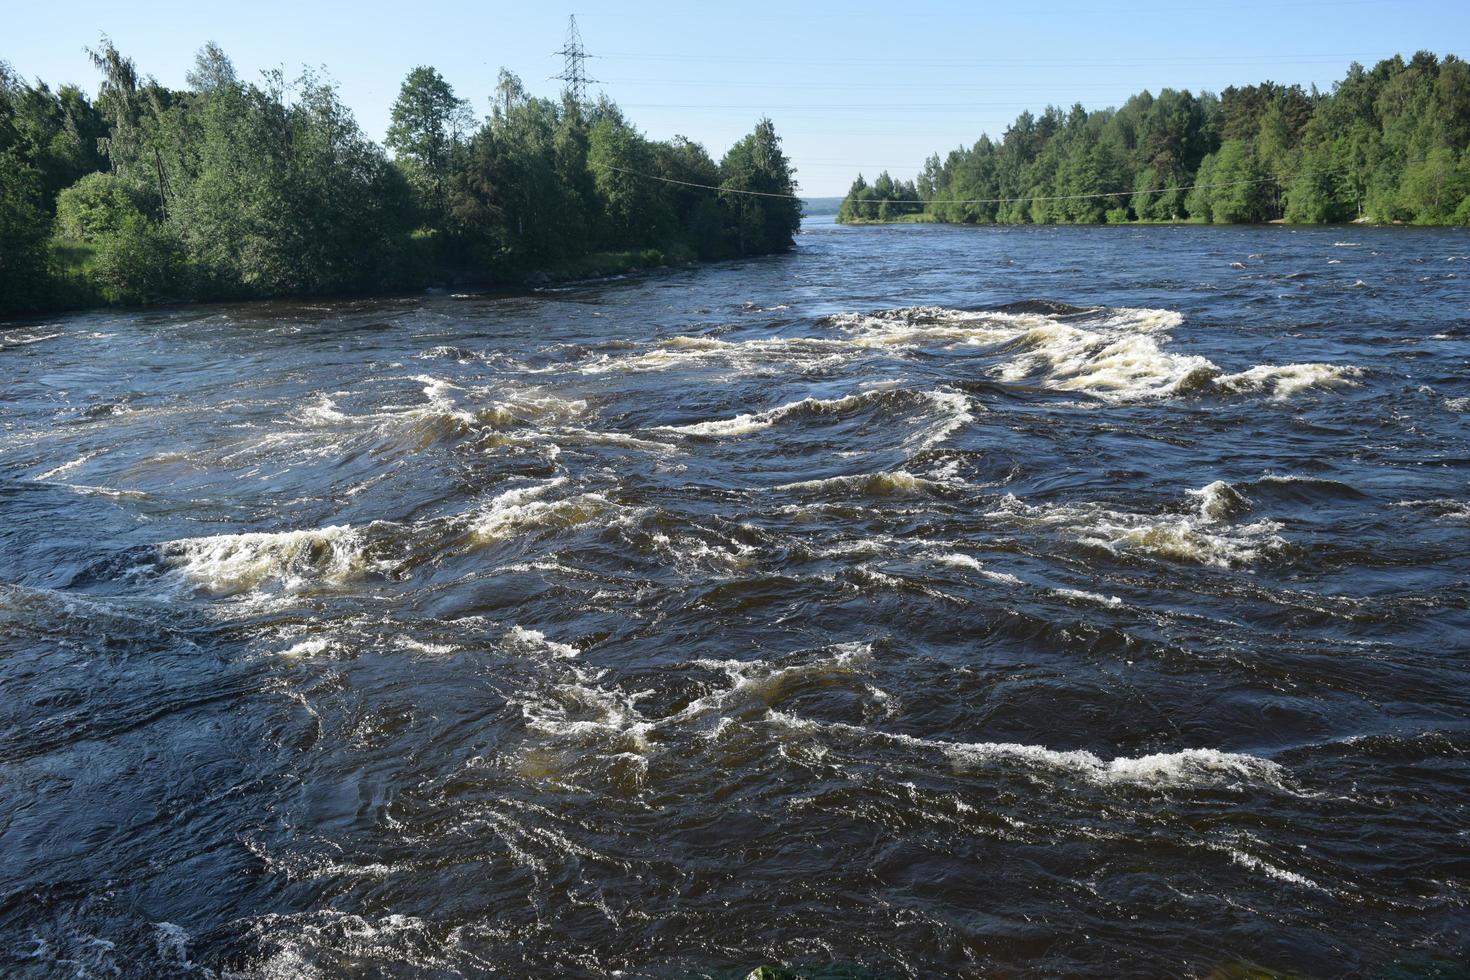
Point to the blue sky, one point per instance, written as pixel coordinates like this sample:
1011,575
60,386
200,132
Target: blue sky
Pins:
851,86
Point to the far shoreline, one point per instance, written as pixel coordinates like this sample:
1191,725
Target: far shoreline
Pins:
608,266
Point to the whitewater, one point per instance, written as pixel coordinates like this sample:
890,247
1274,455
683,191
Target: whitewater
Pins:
930,601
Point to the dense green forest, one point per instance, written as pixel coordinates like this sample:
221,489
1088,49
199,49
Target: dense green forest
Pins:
237,189
1387,144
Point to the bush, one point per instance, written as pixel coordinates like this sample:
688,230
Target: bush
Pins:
95,207
141,263
1116,216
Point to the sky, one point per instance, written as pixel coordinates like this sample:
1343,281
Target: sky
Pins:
851,86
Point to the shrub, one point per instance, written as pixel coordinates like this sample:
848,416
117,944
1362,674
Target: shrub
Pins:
141,263
96,206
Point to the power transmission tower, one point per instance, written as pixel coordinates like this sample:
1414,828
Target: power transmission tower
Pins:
574,70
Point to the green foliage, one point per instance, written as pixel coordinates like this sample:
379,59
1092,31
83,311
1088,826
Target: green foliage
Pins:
23,230
753,167
231,188
1387,144
1237,193
1435,188
95,207
428,121
54,133
142,262
886,200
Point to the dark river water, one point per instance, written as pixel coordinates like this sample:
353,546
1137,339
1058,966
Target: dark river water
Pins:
926,602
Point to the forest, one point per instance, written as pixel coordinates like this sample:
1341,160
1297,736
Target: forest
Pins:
1387,144
234,189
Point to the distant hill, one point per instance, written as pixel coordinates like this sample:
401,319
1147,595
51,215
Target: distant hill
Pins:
820,205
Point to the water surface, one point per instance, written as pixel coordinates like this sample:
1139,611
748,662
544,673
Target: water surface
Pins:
929,601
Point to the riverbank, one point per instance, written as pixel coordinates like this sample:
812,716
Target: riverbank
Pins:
930,219
76,291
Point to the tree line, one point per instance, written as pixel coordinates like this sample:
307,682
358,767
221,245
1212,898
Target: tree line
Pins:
236,189
1387,144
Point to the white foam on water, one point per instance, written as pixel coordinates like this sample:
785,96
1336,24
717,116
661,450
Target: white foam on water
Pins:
688,552
575,710
1202,538
522,510
323,410
574,435
744,357
1114,355
338,939
307,648
418,646
755,685
17,338
572,705
744,424
1187,768
1282,381
955,559
1253,863
67,467
537,640
1111,601
172,944
226,564
1219,500
449,412
1112,367
954,406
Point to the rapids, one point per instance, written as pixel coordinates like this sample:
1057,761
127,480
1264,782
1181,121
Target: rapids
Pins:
929,601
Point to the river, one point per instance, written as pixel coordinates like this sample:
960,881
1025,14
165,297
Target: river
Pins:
929,601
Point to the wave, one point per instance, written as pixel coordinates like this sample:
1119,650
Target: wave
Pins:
67,467
745,357
1115,355
954,406
1202,537
1220,500
577,708
448,414
1111,368
1186,768
516,512
17,338
745,424
227,564
895,484
572,708
1282,381
1444,508
956,559
569,705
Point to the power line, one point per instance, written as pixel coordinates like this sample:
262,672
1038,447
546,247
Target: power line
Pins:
574,62
686,183
835,107
978,200
1241,60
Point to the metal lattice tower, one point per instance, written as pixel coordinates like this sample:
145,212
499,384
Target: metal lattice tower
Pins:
574,70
